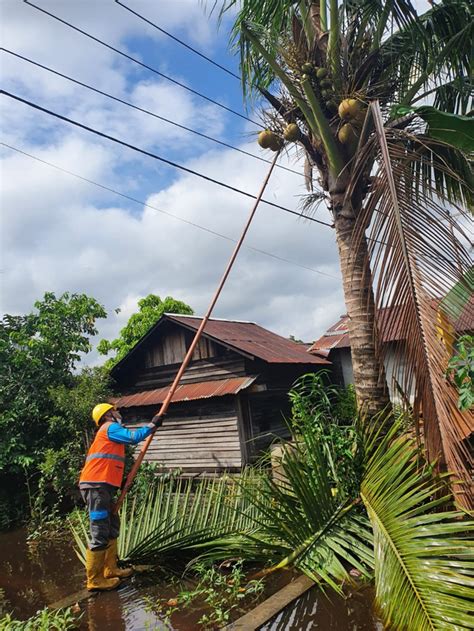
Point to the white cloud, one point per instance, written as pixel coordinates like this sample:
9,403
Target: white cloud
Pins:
60,234
39,37
58,238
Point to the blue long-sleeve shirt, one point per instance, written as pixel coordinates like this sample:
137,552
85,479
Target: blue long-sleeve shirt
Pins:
119,434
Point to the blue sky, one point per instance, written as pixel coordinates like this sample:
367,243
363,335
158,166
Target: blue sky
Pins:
61,234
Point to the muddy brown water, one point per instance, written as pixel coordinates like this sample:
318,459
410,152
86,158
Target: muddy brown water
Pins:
315,610
33,576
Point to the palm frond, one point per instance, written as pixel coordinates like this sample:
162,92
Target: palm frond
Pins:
371,12
269,20
446,167
424,561
303,522
416,258
176,518
431,52
199,516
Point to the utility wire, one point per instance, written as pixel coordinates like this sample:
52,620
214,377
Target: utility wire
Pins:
164,212
179,41
157,157
141,109
140,63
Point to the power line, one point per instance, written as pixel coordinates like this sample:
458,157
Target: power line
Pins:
164,212
179,41
156,157
141,109
142,64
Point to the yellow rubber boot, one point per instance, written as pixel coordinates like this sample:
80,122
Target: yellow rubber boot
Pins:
95,561
111,569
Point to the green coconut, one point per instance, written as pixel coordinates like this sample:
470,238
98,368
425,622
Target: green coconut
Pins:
292,132
307,68
331,106
265,138
347,135
321,73
276,143
326,83
349,109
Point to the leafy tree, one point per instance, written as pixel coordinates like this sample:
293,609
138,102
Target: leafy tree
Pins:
150,310
348,83
71,429
38,353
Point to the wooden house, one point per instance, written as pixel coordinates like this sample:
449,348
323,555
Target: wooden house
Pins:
232,399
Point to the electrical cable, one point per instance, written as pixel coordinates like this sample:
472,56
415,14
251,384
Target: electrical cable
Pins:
179,41
143,110
157,157
142,64
164,212
195,341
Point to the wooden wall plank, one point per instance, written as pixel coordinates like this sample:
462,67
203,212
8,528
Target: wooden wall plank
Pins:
205,444
200,370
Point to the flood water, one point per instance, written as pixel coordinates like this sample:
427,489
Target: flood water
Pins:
315,610
32,577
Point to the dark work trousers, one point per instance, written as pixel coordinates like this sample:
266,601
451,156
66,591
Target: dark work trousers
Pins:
104,524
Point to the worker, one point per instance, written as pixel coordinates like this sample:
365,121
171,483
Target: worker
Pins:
100,478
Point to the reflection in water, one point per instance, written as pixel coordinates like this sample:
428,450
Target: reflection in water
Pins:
121,610
103,612
32,578
316,610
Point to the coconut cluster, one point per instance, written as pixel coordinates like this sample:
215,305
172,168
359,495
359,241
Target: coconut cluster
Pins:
352,113
267,139
320,78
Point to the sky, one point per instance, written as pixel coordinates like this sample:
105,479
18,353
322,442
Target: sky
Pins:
60,233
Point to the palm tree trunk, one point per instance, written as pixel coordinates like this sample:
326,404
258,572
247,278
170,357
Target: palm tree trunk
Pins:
369,373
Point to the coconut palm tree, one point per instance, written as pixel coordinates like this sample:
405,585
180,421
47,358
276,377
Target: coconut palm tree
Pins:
349,83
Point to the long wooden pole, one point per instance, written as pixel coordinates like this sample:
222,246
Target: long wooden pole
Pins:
187,358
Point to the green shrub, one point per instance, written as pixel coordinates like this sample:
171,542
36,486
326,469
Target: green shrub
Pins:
44,620
220,596
461,371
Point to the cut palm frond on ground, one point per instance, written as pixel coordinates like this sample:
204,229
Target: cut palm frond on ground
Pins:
174,518
305,524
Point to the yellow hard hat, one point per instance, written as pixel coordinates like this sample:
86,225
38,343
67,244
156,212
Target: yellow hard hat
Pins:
99,411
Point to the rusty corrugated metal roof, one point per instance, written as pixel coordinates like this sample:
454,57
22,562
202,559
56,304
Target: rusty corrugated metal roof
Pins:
252,339
185,392
337,336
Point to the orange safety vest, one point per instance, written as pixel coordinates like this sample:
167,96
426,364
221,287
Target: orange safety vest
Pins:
105,460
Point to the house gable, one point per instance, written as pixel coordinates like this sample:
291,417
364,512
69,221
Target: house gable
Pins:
166,344
154,361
